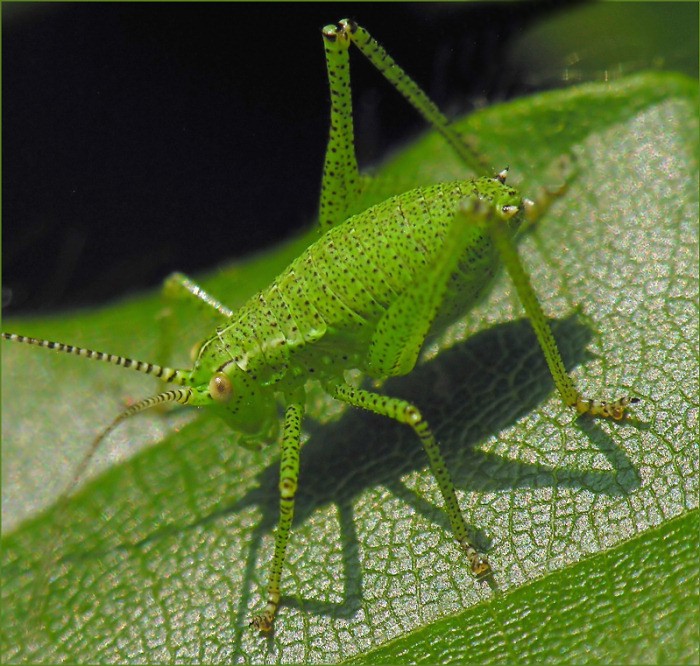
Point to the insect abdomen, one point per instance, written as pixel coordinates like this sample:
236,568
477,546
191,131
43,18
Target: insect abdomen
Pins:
324,308
359,268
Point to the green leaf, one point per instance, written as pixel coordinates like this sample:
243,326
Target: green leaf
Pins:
162,555
554,617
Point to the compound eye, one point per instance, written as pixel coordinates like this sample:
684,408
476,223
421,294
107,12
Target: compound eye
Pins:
220,387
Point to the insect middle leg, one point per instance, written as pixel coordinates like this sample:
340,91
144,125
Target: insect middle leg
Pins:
406,413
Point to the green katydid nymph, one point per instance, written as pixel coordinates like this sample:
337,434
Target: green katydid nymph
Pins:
364,296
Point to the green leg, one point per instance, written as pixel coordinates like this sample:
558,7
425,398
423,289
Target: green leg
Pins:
415,96
177,285
401,332
521,280
289,477
341,179
405,412
535,209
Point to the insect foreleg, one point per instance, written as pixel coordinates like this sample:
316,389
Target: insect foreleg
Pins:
289,477
404,412
178,284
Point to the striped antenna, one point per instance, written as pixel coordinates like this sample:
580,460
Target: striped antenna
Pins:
166,374
180,395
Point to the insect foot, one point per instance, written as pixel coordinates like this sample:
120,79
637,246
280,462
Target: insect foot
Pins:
265,621
607,410
478,563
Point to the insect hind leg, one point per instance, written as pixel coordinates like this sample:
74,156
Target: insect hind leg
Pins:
414,95
570,395
402,330
342,184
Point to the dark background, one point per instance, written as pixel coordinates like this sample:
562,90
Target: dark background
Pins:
143,138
